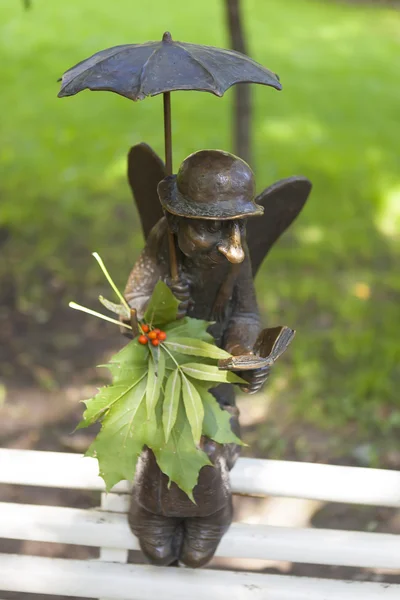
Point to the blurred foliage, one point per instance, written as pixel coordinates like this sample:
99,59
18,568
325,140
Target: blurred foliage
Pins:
333,278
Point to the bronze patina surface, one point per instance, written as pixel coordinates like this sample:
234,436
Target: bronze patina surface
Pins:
204,175
136,71
218,253
140,70
207,245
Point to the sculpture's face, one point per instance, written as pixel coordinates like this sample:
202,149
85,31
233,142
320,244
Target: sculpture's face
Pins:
212,242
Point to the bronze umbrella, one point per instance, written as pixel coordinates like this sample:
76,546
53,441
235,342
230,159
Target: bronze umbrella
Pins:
140,70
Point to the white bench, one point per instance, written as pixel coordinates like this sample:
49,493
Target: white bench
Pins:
106,528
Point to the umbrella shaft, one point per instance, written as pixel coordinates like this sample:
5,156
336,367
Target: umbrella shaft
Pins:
173,261
167,132
172,256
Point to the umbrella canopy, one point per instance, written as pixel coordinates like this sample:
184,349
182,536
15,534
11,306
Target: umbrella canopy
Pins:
139,70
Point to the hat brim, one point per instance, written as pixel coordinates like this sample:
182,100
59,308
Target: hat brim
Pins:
223,210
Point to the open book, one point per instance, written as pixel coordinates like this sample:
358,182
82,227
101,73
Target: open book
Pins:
270,344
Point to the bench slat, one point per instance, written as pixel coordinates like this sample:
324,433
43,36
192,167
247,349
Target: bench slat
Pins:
111,530
109,551
330,483
133,582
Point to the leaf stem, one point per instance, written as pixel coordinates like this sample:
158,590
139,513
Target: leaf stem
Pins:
171,356
183,375
110,281
96,314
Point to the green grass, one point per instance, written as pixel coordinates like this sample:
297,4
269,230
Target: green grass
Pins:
334,278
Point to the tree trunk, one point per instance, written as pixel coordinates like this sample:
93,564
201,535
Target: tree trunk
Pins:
242,103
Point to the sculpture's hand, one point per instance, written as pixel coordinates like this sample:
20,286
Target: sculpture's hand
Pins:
255,379
181,290
132,322
125,332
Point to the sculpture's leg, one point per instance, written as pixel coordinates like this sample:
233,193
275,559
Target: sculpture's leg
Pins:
202,536
160,537
169,526
166,540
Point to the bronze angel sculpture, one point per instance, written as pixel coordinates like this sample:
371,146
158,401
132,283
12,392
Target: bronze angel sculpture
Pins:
222,234
206,235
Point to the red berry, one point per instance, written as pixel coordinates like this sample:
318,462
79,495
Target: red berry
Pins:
152,335
142,339
155,342
162,336
145,328
157,331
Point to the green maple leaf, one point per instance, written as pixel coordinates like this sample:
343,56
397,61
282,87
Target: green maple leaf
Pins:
154,381
125,372
181,359
195,347
128,368
171,402
179,458
129,363
162,306
217,422
188,327
159,399
210,373
120,441
133,354
98,406
193,407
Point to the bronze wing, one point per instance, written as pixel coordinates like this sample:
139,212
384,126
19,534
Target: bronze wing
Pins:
282,202
145,170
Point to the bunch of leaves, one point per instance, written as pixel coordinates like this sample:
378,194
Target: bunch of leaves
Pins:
160,398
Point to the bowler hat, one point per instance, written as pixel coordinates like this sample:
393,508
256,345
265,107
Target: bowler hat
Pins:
210,184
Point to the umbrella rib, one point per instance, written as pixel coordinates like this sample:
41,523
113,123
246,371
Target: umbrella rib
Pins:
144,67
98,62
244,57
202,65
236,54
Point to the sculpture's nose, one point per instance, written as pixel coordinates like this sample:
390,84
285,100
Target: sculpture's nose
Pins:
231,247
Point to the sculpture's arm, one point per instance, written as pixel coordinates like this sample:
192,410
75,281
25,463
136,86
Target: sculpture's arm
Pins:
148,269
152,265
244,325
142,281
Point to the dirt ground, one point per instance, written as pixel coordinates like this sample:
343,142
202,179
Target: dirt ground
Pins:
47,370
